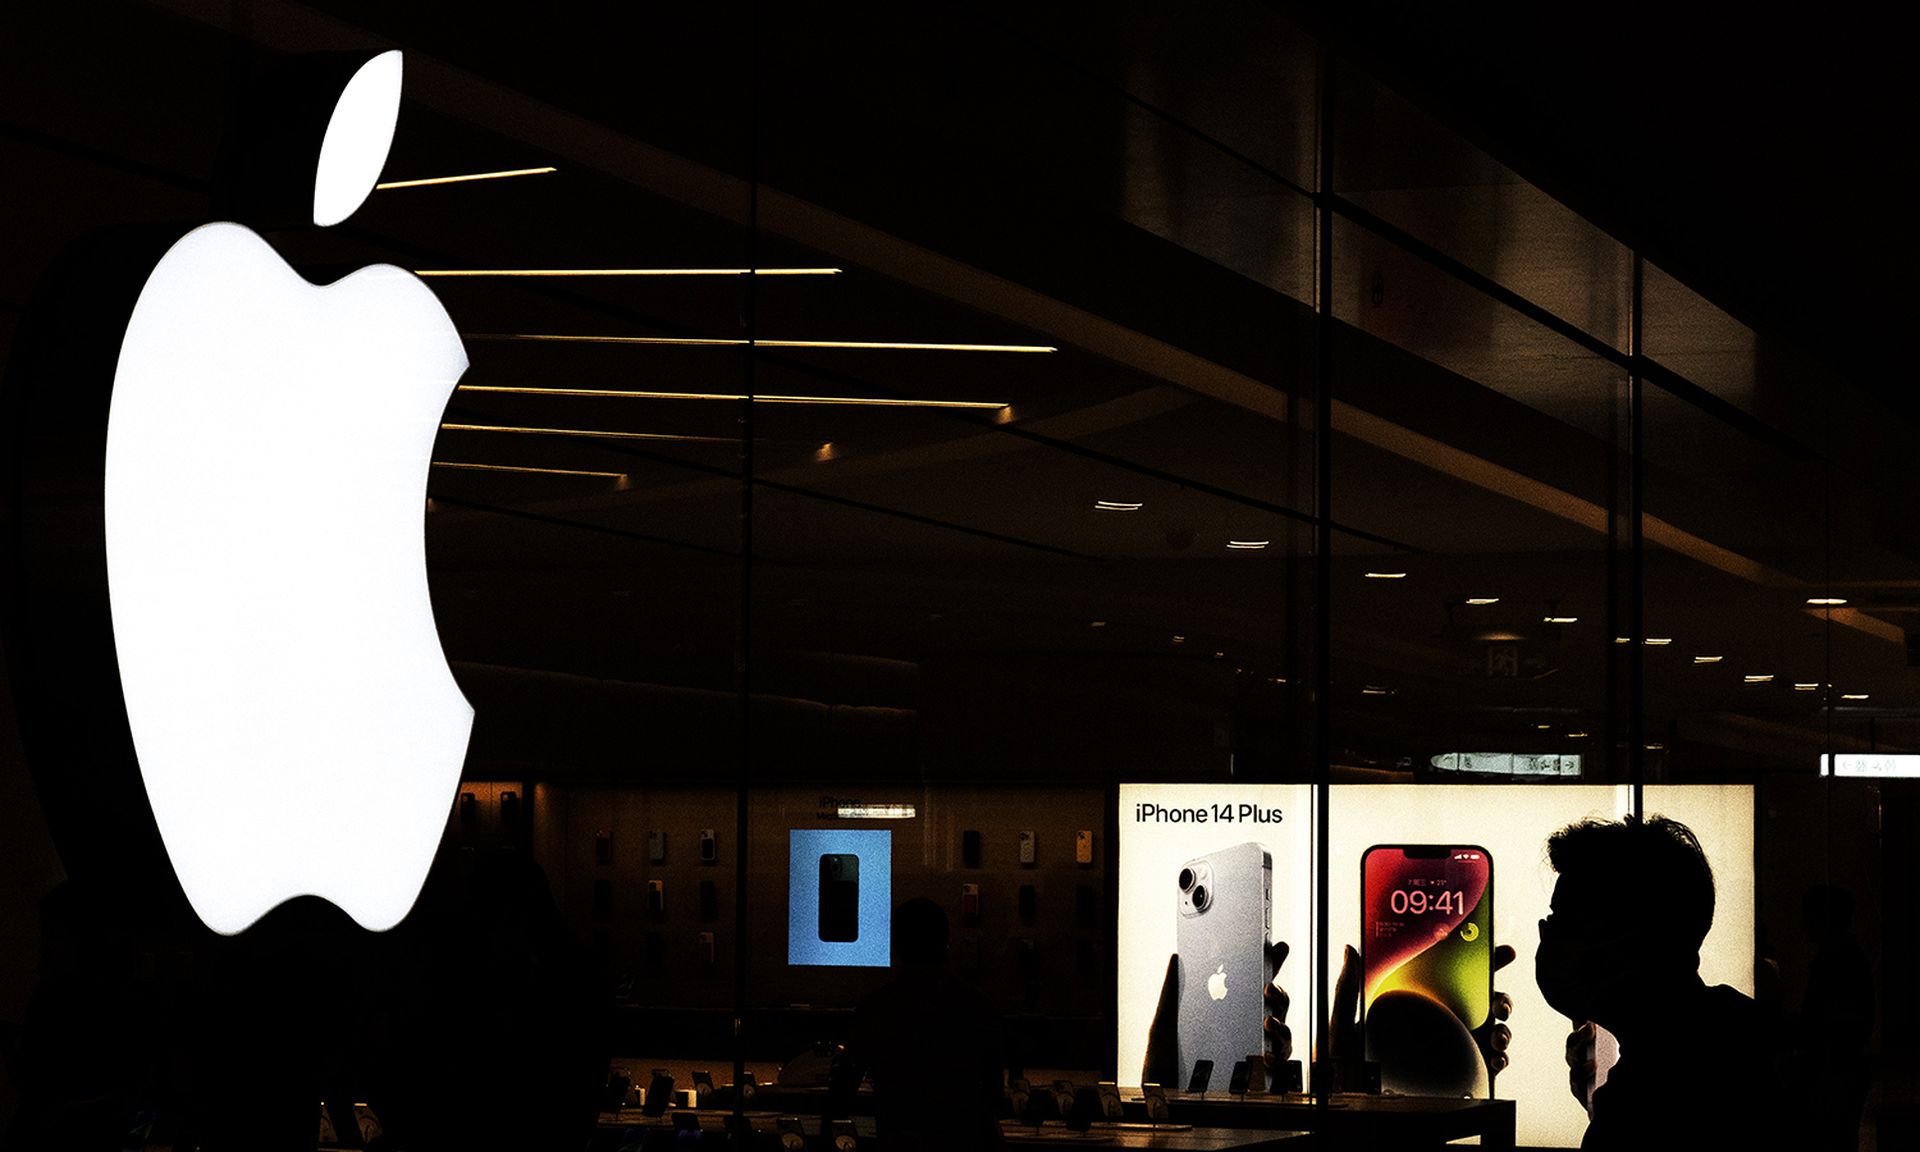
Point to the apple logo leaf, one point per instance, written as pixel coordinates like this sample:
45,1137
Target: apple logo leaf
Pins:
359,134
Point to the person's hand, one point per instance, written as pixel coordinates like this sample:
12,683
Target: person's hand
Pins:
1343,1026
1162,1063
1581,1065
1494,1037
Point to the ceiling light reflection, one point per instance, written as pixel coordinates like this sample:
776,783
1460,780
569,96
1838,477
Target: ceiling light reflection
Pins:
461,464
586,272
502,174
627,394
715,342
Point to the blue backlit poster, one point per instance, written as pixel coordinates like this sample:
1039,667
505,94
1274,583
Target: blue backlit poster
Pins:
839,897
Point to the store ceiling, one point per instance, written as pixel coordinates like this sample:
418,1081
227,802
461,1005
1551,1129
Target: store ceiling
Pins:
925,535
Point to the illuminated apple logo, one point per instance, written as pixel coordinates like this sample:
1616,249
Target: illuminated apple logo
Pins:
268,440
1217,983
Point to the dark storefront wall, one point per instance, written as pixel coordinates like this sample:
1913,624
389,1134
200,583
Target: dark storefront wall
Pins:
924,604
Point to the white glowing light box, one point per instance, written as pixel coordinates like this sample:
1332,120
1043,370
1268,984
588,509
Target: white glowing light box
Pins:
297,727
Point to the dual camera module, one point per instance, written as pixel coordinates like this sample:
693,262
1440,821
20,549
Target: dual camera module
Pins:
1195,894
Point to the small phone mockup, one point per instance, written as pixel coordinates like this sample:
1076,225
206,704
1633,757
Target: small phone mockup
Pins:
839,897
659,1094
1027,849
656,846
1427,958
970,849
709,847
1202,1075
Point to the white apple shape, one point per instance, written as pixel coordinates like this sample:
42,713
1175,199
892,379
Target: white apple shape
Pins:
296,725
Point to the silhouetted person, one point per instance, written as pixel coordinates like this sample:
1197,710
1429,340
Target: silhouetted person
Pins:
494,1030
1836,1017
931,1044
1622,949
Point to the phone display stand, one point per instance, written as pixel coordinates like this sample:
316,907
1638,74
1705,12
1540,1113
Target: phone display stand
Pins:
1156,1101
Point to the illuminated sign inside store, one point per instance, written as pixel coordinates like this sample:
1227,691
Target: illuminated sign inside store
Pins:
1878,765
1530,764
296,724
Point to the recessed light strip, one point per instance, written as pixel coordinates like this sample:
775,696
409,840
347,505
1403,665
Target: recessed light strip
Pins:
624,394
1248,545
710,342
1117,506
584,272
533,471
590,432
503,174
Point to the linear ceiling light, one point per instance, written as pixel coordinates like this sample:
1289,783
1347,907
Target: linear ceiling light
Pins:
1708,659
710,342
1482,601
503,174
1759,678
624,394
1559,619
558,272
1248,545
1386,575
532,471
1826,601
592,432
1117,506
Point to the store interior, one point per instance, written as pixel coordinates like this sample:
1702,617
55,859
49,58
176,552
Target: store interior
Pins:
855,438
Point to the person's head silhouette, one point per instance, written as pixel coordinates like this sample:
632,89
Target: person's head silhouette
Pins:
1632,905
920,934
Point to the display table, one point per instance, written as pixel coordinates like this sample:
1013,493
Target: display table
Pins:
1177,1136
1359,1121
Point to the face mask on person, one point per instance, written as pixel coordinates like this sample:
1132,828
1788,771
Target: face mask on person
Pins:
1579,978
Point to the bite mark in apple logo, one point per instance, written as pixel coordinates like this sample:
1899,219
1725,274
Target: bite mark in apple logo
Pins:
296,725
1217,983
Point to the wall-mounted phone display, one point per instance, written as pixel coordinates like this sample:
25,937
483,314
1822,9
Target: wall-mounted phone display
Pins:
509,810
603,846
709,900
1027,852
1029,906
839,896
656,897
970,848
1083,847
709,847
656,846
970,903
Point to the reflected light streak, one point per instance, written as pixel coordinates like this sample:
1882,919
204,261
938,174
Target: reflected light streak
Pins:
590,432
529,470
585,272
624,394
502,174
714,342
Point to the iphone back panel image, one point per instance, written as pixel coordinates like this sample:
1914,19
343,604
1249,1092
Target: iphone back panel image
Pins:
1427,954
839,897
1224,905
